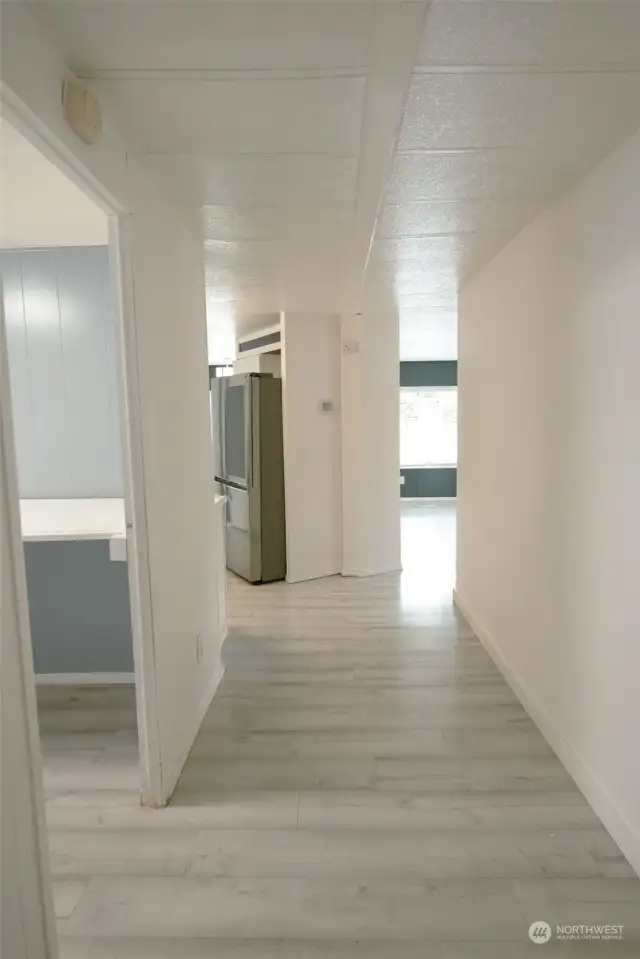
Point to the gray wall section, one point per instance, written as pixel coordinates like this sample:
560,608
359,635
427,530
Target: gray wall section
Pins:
79,608
429,373
434,482
62,363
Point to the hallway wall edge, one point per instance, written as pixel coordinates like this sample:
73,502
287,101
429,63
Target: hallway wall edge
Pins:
600,801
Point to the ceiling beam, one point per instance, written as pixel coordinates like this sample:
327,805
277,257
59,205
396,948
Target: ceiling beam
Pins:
396,34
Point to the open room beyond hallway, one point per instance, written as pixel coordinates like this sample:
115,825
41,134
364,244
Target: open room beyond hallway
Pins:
364,785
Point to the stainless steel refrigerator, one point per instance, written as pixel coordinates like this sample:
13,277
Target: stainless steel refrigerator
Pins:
247,436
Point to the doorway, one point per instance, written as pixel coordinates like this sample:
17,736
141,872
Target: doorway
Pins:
67,509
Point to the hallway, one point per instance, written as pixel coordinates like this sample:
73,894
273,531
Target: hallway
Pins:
364,783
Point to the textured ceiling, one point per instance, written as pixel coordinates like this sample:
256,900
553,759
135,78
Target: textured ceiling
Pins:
509,104
303,128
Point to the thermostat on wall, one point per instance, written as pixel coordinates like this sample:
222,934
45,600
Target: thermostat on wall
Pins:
82,111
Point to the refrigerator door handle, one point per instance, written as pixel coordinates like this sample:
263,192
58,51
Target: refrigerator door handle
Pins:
222,426
251,385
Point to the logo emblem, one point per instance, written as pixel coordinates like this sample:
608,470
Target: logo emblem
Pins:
539,932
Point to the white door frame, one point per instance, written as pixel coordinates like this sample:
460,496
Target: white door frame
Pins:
19,115
27,924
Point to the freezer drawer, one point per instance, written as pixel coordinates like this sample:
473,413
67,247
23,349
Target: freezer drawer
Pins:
243,537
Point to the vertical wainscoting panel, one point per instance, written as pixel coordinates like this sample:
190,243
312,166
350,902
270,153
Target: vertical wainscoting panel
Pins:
63,372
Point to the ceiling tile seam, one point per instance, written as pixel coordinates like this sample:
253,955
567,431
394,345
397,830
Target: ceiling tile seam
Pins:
514,198
206,75
363,115
273,207
241,153
526,69
467,151
440,236
404,73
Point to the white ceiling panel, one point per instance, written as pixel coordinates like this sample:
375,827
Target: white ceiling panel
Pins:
424,250
278,117
562,33
463,216
267,255
509,105
269,222
436,264
245,252
438,282
479,175
223,276
199,34
531,111
290,181
239,116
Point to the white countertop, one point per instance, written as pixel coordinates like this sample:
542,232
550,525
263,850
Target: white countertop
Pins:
72,519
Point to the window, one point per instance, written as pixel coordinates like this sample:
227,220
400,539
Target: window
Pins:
428,426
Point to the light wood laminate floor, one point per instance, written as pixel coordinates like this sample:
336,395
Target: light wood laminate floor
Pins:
365,786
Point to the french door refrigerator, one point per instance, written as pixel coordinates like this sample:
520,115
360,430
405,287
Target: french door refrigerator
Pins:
247,434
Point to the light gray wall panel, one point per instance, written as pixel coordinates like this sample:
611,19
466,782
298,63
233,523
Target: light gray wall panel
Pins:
79,608
63,372
24,423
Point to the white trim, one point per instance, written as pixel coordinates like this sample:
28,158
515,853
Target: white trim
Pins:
20,116
594,792
369,572
30,929
85,679
139,573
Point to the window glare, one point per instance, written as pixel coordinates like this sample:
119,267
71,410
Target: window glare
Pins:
428,426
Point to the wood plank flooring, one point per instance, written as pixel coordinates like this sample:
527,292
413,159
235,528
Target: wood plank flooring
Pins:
364,785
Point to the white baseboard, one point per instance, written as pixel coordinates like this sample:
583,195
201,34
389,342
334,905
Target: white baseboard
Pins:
310,577
598,798
85,679
370,572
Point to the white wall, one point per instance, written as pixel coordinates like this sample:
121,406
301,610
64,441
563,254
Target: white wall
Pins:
42,208
549,474
311,373
370,375
173,372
